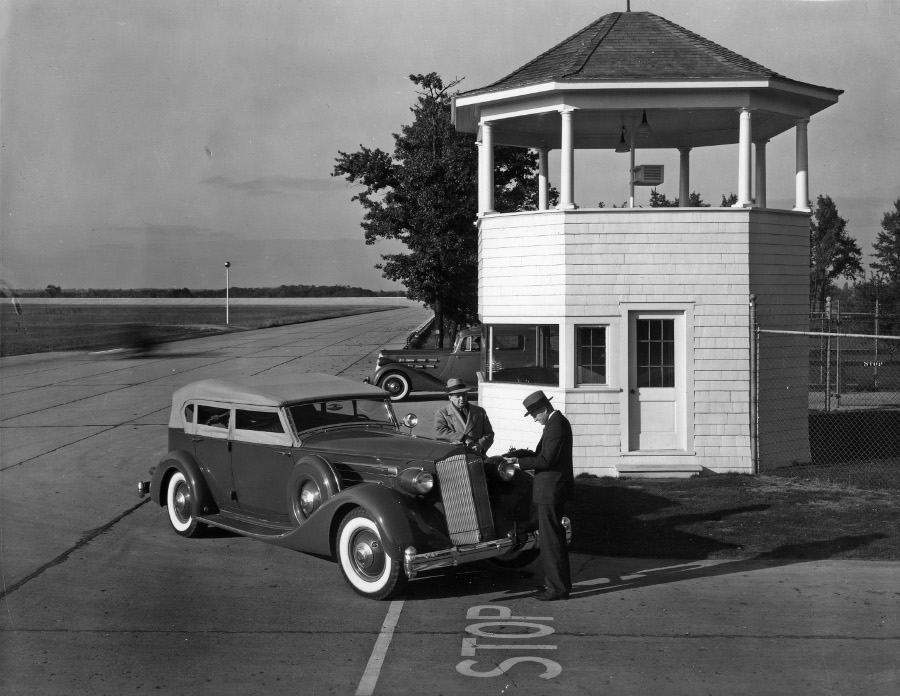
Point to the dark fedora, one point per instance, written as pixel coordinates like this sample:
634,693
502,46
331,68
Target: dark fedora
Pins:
456,386
535,402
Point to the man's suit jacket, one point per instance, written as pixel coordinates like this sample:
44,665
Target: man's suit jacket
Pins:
554,480
477,428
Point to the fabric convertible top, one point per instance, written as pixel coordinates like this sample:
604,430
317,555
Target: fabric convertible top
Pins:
269,392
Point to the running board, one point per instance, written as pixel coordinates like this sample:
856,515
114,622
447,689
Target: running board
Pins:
251,529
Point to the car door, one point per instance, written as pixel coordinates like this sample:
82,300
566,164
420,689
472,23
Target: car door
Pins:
465,361
261,462
210,430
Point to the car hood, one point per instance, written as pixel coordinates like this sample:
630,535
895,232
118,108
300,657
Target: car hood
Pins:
380,443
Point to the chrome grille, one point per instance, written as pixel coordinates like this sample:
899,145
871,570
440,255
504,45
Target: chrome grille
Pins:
466,503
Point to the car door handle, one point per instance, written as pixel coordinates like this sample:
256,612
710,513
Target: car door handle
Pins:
197,439
284,454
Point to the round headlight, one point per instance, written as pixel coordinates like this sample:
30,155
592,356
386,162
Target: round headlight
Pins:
416,480
505,470
424,482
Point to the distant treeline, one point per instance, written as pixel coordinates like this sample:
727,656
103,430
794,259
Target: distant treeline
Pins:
280,291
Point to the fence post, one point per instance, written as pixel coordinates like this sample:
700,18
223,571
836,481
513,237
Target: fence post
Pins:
876,344
828,355
754,372
837,357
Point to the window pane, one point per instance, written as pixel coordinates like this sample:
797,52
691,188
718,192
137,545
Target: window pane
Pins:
668,353
655,353
591,356
260,421
527,353
668,376
668,329
213,416
655,329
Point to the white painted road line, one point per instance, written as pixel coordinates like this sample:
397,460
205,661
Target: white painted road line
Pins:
373,669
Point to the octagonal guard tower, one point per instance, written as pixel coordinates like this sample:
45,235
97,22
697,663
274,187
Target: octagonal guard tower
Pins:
635,321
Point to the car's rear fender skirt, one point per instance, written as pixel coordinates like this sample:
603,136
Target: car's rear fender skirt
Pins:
399,518
182,461
418,379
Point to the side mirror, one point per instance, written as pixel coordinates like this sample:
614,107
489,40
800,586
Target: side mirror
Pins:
410,420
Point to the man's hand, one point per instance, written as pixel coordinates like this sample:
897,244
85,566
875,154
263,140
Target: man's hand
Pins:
512,460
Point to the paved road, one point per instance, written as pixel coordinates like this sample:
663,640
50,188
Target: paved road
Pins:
101,597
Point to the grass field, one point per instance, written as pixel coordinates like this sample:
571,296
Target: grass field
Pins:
42,328
734,516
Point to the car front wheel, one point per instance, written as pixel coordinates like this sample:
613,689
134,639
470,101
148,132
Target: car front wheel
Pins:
397,385
180,502
367,565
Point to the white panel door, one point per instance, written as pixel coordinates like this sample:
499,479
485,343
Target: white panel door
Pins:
656,381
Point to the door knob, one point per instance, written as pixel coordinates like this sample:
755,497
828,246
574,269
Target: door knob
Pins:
632,391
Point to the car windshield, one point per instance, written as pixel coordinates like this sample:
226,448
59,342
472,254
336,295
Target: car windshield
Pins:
319,414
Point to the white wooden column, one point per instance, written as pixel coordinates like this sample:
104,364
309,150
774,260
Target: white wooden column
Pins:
543,181
801,202
761,173
486,169
567,164
684,181
745,161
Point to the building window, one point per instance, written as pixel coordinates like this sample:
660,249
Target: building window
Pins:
590,358
525,353
655,352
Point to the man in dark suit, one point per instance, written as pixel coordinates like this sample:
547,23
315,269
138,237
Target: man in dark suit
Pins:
554,483
460,421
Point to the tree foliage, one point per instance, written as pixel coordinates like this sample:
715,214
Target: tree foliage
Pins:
659,200
887,249
832,252
425,195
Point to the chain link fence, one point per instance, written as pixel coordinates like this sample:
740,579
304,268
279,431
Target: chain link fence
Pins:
827,395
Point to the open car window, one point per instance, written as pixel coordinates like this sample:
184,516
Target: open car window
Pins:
213,420
341,412
260,426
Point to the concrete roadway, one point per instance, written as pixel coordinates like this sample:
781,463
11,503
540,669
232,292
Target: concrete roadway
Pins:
102,597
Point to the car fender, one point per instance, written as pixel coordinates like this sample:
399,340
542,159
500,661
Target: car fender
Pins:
401,519
418,379
182,461
316,469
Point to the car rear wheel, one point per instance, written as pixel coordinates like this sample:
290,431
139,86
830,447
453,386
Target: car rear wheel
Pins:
367,565
396,384
180,502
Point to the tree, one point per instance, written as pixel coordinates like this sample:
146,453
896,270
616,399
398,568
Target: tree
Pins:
53,291
887,249
426,196
659,200
729,201
832,252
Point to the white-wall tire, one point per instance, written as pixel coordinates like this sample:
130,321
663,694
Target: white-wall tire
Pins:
367,565
396,384
180,504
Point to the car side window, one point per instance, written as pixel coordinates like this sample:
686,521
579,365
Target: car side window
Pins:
213,417
259,427
259,421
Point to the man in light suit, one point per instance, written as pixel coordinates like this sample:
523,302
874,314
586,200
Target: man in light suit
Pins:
554,483
460,421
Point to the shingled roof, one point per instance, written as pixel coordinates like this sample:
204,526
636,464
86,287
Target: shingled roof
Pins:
634,46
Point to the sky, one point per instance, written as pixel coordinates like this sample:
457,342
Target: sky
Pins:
144,143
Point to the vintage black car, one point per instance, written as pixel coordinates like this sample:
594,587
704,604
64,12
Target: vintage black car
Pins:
320,464
401,372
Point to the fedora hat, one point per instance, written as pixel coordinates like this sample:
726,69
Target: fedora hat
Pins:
535,402
456,386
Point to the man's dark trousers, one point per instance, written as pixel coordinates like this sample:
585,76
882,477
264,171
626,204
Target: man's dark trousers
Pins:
554,553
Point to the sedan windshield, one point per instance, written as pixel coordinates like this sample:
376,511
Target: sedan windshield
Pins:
341,412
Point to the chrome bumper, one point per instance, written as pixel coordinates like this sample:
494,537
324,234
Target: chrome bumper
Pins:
415,563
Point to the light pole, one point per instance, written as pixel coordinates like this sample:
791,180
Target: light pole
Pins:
227,266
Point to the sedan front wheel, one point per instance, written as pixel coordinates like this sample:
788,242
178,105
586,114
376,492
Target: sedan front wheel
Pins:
367,565
180,501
